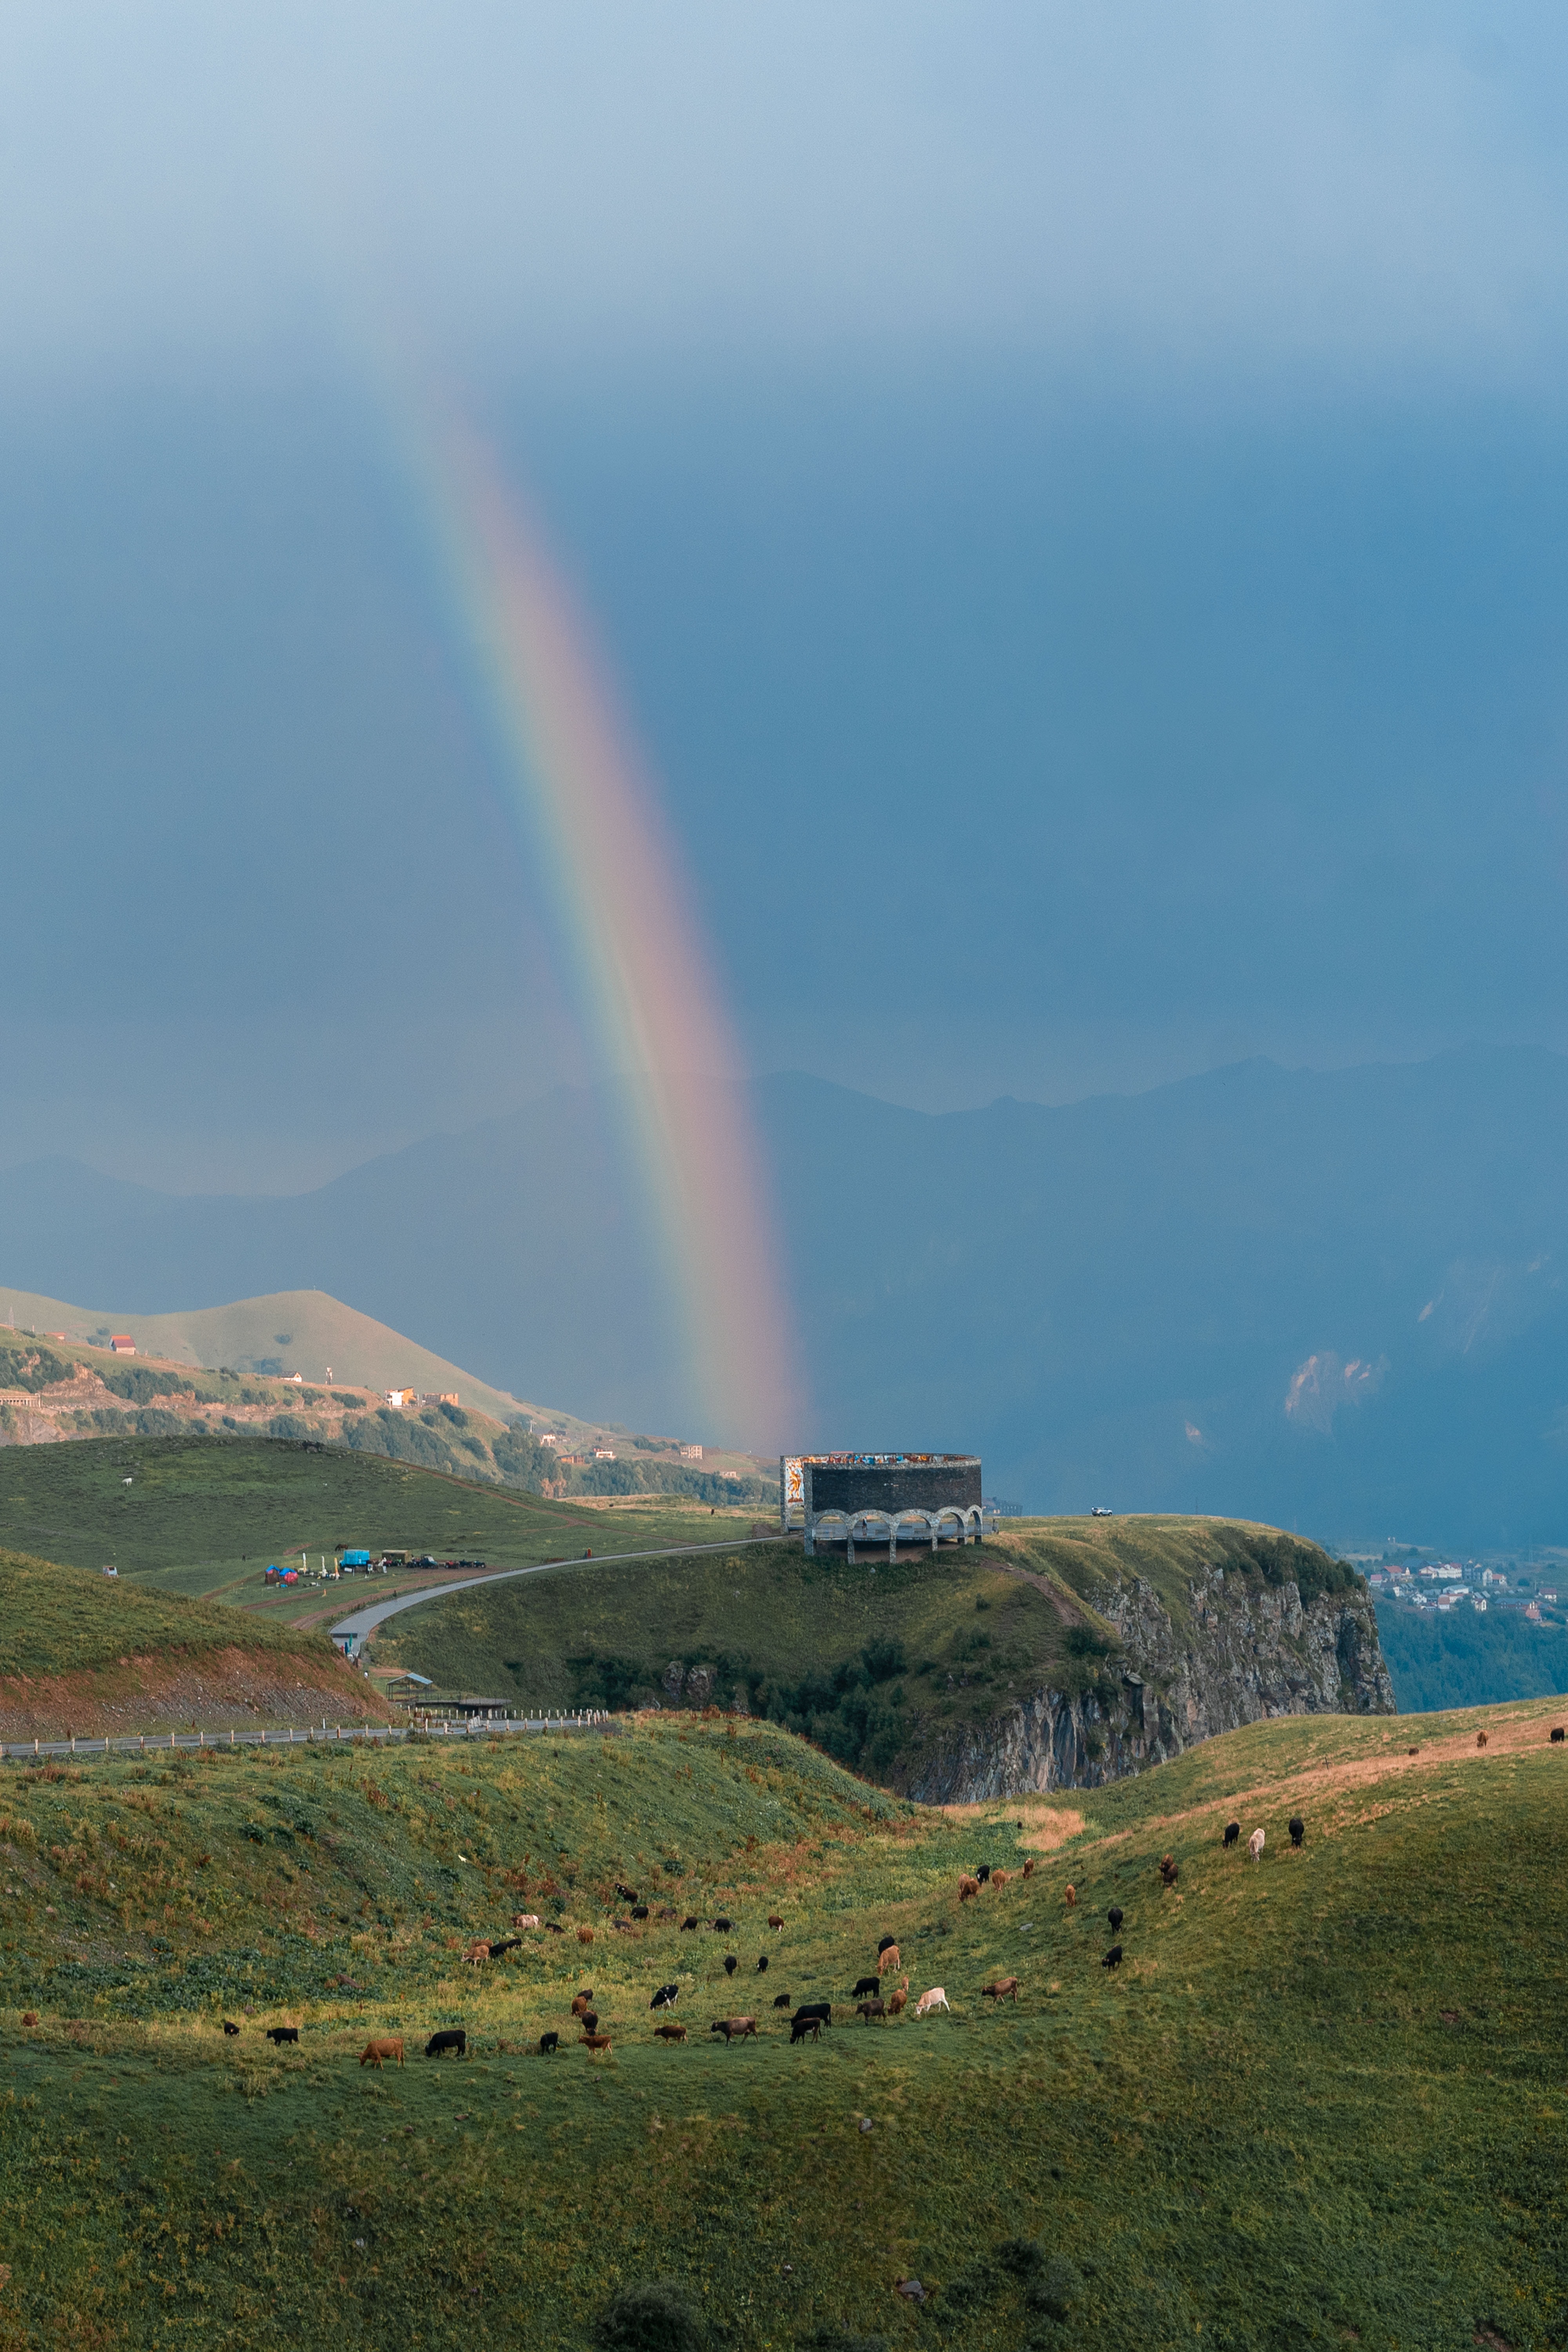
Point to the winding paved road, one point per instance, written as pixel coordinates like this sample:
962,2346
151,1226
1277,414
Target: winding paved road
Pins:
361,1623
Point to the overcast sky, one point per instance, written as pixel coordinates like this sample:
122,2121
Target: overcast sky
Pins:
1075,500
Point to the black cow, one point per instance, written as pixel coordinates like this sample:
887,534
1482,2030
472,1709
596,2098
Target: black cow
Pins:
720,1926
1115,1916
886,1945
626,1893
782,2000
454,2038
639,1910
730,1964
689,1923
866,1984
547,2043
228,2028
1558,1734
1113,1958
507,1944
666,1996
553,1928
822,2008
762,1964
282,2033
984,1872
1232,1831
1298,1829
799,2027
590,2020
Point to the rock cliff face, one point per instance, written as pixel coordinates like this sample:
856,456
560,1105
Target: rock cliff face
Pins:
1250,1650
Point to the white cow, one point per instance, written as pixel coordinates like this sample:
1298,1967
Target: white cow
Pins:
1255,1845
935,1998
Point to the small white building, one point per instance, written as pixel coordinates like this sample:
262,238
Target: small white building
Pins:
122,1344
399,1399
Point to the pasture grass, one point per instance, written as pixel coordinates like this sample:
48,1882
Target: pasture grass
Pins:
1321,2102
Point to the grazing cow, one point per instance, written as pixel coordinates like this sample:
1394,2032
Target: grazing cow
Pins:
984,1872
730,1964
933,2000
1481,1739
376,2053
670,2032
639,1910
1001,1877
1005,1988
872,2009
547,2043
1113,1958
896,2000
1115,1917
590,2020
666,1996
1558,1733
595,2042
582,2003
782,2000
29,2017
1029,1869
1413,1751
799,2027
886,1944
282,2034
507,1944
623,1926
665,1914
477,1954
228,2028
734,2029
553,1928
687,1924
774,1920
525,1918
1071,1896
584,1935
967,1889
1255,1843
866,1984
762,1964
1232,1831
822,2010
720,1926
1170,1869
453,2037
626,1893
1298,1829
887,1958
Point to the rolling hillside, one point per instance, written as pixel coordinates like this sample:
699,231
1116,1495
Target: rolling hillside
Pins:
1319,2101
86,1653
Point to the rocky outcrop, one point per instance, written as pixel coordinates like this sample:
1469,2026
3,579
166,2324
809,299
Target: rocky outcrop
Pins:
1249,1650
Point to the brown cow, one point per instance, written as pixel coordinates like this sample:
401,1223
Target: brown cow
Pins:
477,1954
896,2000
872,2009
889,1959
584,1935
596,2041
774,1920
1003,1988
375,2053
967,1889
734,2029
670,2032
1481,1739
1000,1877
582,2004
1029,1869
1071,1896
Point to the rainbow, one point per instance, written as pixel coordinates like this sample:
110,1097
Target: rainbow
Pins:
643,982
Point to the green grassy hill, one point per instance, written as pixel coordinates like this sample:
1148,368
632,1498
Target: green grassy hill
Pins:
1321,2102
879,1664
207,1514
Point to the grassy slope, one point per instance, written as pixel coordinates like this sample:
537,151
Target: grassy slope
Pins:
1323,2100
208,1513
972,1636
67,1621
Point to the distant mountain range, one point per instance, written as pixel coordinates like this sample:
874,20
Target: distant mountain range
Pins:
1334,1301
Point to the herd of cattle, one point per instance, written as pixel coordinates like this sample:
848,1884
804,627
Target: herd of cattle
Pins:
874,2002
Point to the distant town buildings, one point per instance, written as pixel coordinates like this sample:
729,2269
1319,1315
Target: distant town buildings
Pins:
691,1453
399,1399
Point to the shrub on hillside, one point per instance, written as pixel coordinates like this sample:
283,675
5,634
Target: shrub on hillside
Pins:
140,1383
32,1369
1286,1559
659,2317
522,1461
